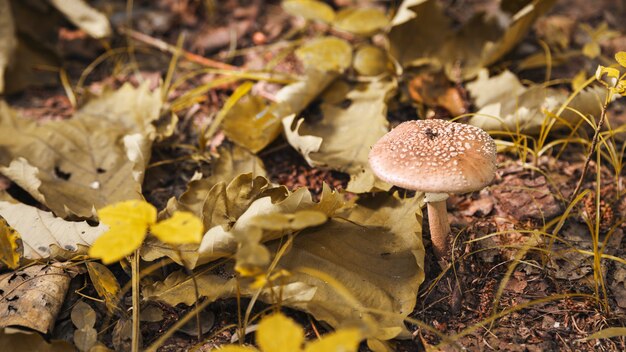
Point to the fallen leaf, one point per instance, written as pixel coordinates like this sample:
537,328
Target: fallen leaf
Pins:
105,284
371,60
506,105
365,116
84,318
375,252
20,340
428,37
361,20
327,54
85,17
207,321
252,123
309,9
33,297
39,230
94,159
10,245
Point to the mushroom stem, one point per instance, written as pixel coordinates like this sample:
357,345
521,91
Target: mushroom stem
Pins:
439,226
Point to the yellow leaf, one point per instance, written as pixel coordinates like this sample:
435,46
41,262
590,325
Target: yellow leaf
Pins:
345,340
105,283
9,246
621,58
116,244
235,348
134,215
128,222
591,50
277,333
182,227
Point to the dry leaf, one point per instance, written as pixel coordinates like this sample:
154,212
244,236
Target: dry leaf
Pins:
94,159
33,296
85,17
309,9
15,340
39,230
375,252
84,318
105,284
10,245
506,105
330,142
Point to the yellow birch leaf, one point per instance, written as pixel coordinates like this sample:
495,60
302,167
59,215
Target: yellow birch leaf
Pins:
9,246
134,215
128,222
183,227
116,244
345,340
277,333
621,58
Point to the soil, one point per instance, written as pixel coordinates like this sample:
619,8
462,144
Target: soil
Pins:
519,202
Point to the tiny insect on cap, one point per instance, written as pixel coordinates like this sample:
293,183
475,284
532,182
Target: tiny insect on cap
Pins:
435,156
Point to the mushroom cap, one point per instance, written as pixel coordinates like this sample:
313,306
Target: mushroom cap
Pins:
435,156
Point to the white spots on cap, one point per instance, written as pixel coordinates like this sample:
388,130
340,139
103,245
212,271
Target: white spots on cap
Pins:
435,156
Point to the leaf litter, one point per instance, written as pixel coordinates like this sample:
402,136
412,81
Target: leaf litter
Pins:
342,256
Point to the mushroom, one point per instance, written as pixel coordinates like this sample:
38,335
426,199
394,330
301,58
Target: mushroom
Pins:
436,157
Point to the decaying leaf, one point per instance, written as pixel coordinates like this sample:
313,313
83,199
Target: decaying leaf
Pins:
32,297
94,159
105,284
10,245
310,10
374,251
506,105
20,340
40,230
330,142
428,37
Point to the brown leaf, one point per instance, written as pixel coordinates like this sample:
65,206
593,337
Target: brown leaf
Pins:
105,283
33,297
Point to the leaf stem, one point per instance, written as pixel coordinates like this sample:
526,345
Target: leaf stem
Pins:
135,294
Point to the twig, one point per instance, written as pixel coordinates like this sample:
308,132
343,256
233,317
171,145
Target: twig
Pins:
594,143
163,46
